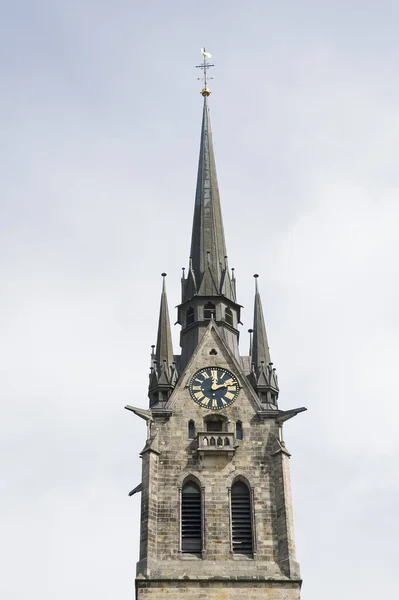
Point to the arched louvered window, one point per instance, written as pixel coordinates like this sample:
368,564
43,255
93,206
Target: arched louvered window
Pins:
228,316
191,519
241,519
239,433
209,311
191,430
190,316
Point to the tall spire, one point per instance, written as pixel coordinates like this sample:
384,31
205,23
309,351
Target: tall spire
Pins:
164,348
208,289
263,376
208,272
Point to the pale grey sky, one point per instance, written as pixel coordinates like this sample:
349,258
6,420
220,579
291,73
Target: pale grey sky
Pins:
100,117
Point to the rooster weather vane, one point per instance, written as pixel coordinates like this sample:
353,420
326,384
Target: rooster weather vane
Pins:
205,66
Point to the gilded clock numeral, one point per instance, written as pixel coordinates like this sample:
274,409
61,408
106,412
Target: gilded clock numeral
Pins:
223,401
214,374
199,395
214,403
196,387
205,375
229,395
231,388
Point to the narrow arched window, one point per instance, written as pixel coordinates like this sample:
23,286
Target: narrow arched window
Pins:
209,311
239,435
191,430
191,519
228,316
241,520
190,316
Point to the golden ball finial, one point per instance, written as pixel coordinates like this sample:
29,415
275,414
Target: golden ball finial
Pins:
206,91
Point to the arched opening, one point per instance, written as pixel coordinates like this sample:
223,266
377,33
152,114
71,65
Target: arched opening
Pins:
191,430
209,311
228,316
241,519
239,432
190,316
191,519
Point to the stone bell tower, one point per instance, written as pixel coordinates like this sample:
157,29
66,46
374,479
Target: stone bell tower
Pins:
216,511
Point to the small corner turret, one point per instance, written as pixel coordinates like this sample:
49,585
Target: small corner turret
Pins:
263,376
163,371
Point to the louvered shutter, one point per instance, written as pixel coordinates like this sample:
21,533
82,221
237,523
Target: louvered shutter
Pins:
241,519
191,519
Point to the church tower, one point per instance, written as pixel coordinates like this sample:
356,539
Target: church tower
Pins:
216,511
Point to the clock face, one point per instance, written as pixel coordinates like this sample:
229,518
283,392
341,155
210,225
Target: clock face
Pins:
214,388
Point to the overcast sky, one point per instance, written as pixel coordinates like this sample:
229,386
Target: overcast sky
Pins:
100,117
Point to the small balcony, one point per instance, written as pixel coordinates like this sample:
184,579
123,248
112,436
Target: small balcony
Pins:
216,442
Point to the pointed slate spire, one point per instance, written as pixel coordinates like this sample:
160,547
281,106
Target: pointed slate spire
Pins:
164,348
263,376
208,272
163,375
260,346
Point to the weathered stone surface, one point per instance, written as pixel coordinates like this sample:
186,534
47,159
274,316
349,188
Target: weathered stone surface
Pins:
216,590
170,458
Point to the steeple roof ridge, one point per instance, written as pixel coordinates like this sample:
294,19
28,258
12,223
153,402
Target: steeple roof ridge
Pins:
208,247
164,347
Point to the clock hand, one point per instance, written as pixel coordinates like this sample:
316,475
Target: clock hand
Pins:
216,386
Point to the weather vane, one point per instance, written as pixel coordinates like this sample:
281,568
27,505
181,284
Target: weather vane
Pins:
205,67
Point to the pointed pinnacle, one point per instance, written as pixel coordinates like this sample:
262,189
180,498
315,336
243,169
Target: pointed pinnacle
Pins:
260,346
164,348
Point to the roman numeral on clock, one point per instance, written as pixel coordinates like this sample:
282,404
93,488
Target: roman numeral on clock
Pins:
214,388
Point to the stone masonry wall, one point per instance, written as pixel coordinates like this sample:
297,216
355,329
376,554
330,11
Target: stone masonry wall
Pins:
234,590
176,460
